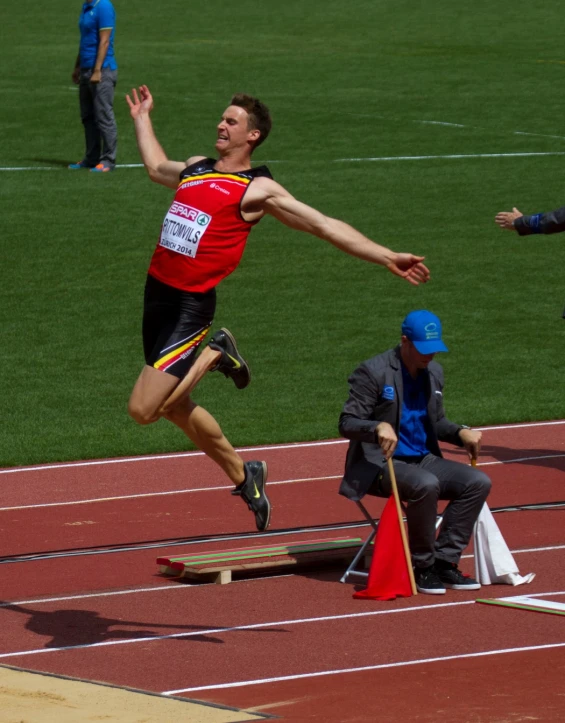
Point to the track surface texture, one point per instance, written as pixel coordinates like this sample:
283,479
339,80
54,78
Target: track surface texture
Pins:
83,596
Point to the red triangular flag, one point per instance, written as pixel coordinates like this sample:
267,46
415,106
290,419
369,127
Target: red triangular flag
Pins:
388,576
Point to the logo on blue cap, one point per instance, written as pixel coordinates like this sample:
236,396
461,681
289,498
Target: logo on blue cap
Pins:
424,330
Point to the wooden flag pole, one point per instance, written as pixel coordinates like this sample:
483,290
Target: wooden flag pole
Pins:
401,524
477,571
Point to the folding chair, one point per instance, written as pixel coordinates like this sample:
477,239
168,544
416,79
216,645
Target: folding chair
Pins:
362,553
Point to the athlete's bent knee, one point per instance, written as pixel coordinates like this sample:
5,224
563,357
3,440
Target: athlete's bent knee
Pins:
142,415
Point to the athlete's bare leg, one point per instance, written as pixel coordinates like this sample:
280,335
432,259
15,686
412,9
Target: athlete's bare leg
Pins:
207,360
201,427
151,389
153,386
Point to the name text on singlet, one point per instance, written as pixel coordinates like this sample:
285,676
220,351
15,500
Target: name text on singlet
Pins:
183,229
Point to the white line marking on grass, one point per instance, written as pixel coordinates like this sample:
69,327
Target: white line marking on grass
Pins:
160,494
540,135
458,125
263,448
448,157
31,168
384,666
61,167
346,160
441,123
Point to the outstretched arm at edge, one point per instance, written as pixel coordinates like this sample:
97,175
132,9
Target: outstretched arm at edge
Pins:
272,198
158,166
549,222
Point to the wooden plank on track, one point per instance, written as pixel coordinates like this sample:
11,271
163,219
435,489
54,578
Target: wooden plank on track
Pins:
218,566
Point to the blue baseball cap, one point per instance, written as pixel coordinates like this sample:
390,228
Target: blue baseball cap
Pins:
424,330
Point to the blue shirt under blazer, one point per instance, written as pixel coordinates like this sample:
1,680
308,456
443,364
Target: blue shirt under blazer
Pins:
376,395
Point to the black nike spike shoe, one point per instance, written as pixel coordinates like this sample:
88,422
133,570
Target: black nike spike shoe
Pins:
252,490
231,364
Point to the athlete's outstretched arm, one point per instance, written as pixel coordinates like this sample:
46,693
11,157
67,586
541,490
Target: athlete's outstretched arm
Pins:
158,166
272,198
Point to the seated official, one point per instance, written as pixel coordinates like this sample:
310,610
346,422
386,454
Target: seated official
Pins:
395,408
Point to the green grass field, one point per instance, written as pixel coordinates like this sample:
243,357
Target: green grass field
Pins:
363,80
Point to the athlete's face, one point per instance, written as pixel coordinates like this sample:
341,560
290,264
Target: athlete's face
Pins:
233,129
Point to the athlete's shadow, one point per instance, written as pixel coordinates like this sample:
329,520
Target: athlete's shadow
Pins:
86,627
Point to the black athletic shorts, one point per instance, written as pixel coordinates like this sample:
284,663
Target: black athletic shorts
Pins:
175,323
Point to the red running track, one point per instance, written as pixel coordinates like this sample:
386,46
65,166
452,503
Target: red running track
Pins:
269,628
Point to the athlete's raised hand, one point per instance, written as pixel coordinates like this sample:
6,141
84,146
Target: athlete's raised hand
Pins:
140,104
409,267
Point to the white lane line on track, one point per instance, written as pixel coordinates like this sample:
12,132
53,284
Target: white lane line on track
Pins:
39,601
450,156
162,494
384,666
539,549
253,626
175,455
514,460
229,487
521,425
296,445
135,591
177,586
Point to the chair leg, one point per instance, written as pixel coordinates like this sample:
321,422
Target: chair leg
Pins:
351,571
365,512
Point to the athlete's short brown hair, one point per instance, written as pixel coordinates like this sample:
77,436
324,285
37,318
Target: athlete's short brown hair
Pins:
259,115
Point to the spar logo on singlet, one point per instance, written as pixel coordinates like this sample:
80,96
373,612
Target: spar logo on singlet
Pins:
183,229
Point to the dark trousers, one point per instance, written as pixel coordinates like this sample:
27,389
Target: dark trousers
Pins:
421,484
97,115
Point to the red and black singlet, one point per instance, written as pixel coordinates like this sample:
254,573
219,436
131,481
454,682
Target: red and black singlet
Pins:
203,235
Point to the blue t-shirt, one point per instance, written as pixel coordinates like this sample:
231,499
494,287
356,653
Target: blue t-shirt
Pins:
412,436
96,16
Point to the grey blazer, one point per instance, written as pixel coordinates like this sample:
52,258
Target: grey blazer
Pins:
375,395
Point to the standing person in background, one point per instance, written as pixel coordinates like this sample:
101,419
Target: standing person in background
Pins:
96,74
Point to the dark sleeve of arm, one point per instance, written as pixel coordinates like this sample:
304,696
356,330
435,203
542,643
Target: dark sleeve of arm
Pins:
356,420
550,222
